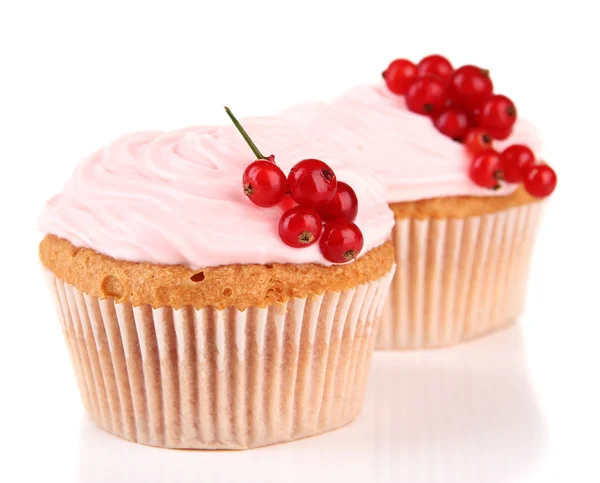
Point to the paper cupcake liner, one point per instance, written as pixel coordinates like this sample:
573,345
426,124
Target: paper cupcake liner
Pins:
222,379
457,279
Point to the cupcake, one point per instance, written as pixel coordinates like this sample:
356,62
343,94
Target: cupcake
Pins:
465,189
190,322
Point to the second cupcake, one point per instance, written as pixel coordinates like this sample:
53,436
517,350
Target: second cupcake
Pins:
465,188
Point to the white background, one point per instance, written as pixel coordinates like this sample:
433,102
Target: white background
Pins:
521,406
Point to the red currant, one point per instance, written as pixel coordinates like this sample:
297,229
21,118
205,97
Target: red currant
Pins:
300,227
264,183
426,95
453,123
344,204
497,114
312,183
516,159
540,181
399,75
478,140
486,169
435,65
469,86
341,241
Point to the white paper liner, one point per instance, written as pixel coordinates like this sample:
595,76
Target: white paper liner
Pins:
228,379
458,279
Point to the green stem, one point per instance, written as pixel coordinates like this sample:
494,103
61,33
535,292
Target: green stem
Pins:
244,134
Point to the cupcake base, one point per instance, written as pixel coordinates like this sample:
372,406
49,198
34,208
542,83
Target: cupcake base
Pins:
222,379
458,279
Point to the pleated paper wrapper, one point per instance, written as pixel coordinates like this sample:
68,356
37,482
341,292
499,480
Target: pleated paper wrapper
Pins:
458,279
227,379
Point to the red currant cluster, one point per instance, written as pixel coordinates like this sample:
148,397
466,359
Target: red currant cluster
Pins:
463,106
317,206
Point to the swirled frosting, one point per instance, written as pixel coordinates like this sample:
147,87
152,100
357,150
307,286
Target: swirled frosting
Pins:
372,128
176,198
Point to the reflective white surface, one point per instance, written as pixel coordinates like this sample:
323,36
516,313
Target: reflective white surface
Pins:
447,415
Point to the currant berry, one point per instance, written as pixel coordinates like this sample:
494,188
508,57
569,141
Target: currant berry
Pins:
540,181
300,227
435,65
453,123
497,114
312,183
426,95
516,160
478,140
469,86
264,183
486,170
344,204
341,241
399,75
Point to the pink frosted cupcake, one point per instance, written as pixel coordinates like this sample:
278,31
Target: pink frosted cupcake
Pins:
464,235
190,323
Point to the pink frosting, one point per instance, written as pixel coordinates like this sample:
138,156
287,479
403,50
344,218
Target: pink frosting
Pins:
372,128
177,198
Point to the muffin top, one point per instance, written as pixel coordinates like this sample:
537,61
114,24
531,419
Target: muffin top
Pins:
176,198
370,126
